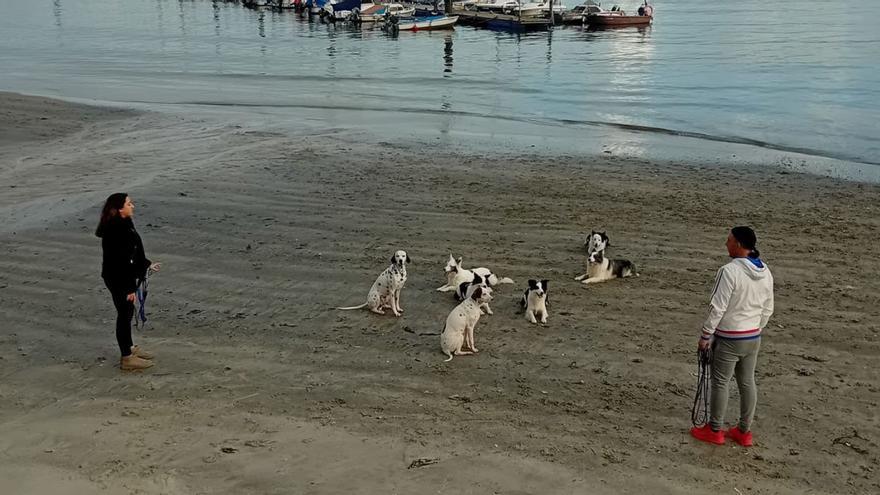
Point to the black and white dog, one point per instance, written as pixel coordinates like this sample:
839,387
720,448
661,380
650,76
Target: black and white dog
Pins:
477,281
535,301
600,268
596,241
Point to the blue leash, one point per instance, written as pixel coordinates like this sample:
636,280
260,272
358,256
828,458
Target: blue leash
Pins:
142,303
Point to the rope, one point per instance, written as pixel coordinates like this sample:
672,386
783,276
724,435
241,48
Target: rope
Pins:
140,319
700,410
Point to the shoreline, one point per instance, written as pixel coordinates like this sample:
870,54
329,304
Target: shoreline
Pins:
547,139
262,231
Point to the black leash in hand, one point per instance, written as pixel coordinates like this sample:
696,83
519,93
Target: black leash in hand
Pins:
700,411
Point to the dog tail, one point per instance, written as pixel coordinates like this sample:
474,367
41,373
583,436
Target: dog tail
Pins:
450,357
364,305
504,280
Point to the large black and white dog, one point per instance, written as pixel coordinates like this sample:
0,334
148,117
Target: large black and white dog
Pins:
600,268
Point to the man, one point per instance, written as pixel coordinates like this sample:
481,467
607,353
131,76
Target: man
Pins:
741,304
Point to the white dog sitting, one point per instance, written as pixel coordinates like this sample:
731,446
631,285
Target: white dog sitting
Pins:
385,292
535,301
459,330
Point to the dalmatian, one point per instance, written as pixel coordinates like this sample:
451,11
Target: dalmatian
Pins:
459,330
385,292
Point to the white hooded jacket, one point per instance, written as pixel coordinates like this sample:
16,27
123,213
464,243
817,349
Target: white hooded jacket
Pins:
742,301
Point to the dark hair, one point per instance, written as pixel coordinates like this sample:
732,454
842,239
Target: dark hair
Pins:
114,203
746,238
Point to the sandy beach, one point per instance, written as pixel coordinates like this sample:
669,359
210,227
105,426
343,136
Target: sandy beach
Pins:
261,387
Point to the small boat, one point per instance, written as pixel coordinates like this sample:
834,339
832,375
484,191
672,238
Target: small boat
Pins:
618,18
377,13
342,9
428,23
496,6
536,9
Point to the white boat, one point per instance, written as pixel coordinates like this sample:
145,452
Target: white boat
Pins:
400,10
377,13
497,6
428,23
535,9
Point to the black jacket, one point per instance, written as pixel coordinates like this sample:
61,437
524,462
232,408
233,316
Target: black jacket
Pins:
125,263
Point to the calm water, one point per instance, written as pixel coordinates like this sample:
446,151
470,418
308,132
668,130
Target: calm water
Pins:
793,75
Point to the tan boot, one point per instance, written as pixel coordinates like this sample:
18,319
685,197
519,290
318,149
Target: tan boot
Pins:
129,363
137,351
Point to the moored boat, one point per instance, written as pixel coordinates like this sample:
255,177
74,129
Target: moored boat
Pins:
618,18
428,23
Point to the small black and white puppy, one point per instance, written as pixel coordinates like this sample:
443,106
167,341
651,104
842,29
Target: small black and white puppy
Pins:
464,287
600,269
535,301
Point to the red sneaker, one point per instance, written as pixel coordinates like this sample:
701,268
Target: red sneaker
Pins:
744,439
706,434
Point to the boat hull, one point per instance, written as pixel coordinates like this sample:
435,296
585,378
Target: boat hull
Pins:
618,20
430,24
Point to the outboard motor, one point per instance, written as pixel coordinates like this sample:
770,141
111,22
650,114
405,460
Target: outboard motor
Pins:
392,24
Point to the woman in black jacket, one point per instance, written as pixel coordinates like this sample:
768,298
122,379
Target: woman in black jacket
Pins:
124,266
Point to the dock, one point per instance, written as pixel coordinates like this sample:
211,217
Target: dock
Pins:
491,20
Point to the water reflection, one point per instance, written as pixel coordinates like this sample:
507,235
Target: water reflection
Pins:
182,17
447,55
56,11
215,5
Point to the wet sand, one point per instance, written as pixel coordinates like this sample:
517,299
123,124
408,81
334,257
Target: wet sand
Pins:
262,387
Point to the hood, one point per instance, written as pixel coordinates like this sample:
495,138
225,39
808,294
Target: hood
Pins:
754,267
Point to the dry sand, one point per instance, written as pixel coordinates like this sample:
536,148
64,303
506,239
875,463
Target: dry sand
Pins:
261,387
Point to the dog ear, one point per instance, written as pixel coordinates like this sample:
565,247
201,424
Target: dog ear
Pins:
592,232
544,284
459,261
478,279
477,293
408,259
533,284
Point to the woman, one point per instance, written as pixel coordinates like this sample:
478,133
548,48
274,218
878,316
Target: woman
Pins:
124,266
741,305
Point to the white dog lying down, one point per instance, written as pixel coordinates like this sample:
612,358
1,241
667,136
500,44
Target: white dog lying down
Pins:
460,323
458,279
385,292
535,301
457,275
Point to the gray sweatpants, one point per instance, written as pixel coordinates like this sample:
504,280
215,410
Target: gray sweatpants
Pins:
734,357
